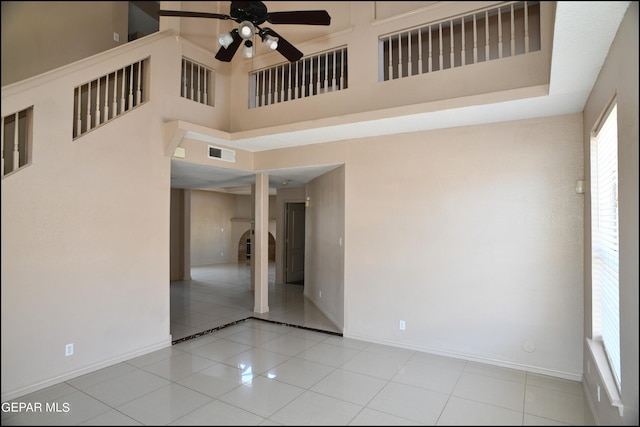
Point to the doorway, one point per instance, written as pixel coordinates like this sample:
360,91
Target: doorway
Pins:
294,243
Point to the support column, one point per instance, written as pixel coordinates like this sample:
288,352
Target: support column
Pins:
260,244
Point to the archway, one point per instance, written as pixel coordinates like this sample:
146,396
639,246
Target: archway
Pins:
245,249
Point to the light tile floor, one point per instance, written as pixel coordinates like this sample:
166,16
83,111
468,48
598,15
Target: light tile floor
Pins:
221,294
262,373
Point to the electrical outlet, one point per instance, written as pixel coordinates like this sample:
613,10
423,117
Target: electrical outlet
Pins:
68,349
598,392
402,325
116,37
320,294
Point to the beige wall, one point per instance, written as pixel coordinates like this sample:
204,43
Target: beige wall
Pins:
180,234
618,78
217,223
324,244
475,235
211,214
528,76
356,25
38,36
85,232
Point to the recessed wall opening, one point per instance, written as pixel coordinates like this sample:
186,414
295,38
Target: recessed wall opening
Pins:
245,247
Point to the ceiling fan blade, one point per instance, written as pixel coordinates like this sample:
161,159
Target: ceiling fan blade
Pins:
304,17
284,47
185,14
226,54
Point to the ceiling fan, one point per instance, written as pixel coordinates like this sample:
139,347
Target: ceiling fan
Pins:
250,15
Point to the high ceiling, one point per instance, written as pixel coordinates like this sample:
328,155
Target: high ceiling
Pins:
590,25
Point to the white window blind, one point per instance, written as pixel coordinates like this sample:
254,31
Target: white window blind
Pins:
604,245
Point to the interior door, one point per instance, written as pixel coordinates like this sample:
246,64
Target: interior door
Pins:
294,243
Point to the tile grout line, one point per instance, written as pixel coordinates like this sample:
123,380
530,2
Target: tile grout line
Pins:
209,331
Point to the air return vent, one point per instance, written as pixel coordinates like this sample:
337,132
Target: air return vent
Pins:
222,154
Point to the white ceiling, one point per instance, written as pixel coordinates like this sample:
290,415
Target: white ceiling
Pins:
585,24
232,181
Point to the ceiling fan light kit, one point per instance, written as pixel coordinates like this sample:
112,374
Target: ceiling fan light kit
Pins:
225,39
248,49
270,41
250,15
246,30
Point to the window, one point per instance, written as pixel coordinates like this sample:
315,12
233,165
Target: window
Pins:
604,236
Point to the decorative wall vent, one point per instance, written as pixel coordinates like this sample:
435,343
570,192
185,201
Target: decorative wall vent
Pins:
222,154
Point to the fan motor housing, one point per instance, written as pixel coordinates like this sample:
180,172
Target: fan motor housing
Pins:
254,12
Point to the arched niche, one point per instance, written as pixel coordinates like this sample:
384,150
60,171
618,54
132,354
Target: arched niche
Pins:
245,249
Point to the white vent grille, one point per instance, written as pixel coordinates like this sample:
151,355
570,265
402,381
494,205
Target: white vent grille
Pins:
222,154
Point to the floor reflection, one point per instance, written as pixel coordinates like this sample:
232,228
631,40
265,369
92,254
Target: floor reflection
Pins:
219,295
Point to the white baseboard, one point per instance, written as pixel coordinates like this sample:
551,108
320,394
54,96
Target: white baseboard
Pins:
473,358
14,394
